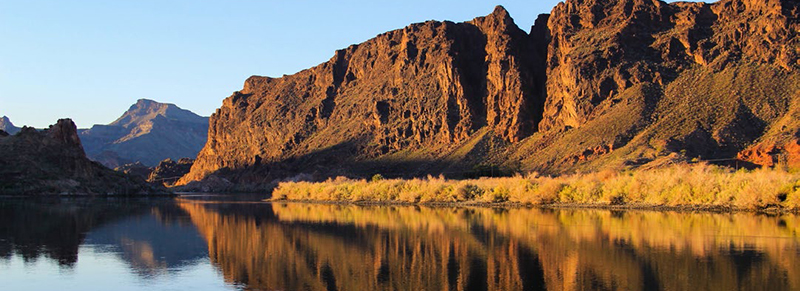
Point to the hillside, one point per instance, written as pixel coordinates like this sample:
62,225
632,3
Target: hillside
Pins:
52,161
148,132
596,84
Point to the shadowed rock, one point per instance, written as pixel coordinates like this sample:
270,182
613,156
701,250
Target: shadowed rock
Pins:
53,162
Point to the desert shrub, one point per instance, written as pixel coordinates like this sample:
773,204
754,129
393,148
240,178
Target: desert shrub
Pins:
467,192
496,195
697,184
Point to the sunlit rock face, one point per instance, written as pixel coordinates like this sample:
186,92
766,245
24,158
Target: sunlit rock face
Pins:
598,49
648,78
414,93
595,84
347,247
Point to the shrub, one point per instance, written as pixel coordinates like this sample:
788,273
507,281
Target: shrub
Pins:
697,184
377,178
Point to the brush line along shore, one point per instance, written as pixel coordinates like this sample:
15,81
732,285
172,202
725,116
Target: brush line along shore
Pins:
681,186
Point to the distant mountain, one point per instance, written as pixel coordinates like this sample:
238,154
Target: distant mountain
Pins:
148,132
7,126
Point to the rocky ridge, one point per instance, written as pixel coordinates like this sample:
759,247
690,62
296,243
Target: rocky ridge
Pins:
595,84
52,161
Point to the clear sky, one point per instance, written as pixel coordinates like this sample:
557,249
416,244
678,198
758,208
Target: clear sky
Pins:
91,59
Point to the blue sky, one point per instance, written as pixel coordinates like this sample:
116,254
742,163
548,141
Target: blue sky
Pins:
91,59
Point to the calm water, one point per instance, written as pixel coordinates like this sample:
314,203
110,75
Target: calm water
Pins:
211,244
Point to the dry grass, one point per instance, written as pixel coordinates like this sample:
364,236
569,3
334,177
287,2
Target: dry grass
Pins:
680,185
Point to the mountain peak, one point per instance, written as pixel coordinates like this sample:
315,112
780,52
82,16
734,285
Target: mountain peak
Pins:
145,110
148,102
7,126
148,132
497,22
500,11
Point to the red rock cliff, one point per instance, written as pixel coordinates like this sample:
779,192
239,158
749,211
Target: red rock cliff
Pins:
595,84
423,88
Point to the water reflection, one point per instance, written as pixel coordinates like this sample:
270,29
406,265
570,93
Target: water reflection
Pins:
151,236
334,247
220,244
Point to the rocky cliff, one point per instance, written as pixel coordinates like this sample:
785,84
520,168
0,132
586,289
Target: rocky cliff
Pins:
595,84
7,126
52,161
406,95
631,81
148,133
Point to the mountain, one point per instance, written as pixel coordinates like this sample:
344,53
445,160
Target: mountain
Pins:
7,126
148,133
52,161
596,84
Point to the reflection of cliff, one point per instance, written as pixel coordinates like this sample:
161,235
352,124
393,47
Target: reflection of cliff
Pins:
333,247
268,255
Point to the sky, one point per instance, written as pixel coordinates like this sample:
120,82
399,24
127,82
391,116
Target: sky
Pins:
90,60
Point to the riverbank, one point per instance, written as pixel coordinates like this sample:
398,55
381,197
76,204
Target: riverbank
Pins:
678,187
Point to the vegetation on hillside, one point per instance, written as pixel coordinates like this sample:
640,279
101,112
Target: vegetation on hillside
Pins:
699,185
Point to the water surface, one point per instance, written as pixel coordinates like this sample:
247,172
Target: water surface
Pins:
218,243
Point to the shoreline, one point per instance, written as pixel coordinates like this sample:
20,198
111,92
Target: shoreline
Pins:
15,196
699,187
574,206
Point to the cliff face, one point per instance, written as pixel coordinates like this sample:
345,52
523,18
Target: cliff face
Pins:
599,49
630,81
412,93
595,84
53,162
148,133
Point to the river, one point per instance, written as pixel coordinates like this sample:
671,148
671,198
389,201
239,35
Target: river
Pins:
213,242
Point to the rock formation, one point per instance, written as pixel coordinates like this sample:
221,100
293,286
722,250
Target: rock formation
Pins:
409,94
168,171
53,162
148,133
646,78
7,126
135,169
595,84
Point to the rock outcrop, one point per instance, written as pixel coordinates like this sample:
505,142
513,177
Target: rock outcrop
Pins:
53,162
148,132
7,126
168,171
135,169
595,84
